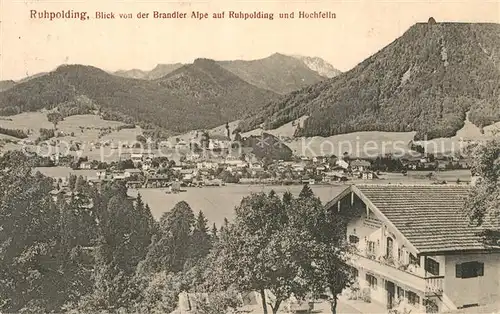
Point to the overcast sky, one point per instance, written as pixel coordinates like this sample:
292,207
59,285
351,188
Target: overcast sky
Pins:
361,28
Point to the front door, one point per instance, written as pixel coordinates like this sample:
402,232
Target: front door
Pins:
391,290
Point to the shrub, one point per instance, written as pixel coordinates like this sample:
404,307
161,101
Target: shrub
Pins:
220,302
14,132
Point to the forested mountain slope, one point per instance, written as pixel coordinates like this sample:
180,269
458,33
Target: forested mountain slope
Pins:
425,81
200,95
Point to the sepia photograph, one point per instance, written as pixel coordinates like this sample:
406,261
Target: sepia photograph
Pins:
249,156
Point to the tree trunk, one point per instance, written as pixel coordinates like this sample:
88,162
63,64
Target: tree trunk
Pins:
333,304
264,303
276,307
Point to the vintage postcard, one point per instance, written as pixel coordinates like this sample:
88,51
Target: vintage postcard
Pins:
249,156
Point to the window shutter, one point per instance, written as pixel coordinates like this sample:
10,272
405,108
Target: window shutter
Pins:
458,271
480,269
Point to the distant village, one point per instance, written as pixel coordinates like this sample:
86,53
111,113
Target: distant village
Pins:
209,164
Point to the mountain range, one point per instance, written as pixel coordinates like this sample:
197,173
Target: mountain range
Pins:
425,81
198,95
176,97
159,71
319,65
7,84
278,73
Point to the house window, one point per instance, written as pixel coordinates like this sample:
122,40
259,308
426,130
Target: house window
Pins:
414,260
401,293
413,298
372,281
469,270
370,247
431,266
353,239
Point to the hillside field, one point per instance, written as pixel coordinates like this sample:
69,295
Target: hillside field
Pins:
86,129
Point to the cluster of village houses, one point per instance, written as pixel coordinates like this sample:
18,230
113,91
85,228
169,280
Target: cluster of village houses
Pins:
200,169
195,169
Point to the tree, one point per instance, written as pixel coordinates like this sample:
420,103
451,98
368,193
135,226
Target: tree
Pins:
126,233
141,139
72,181
80,184
483,202
214,232
265,249
334,274
54,118
146,224
287,198
205,140
228,177
306,192
66,255
30,233
200,243
220,302
228,131
125,164
171,247
158,293
331,271
124,236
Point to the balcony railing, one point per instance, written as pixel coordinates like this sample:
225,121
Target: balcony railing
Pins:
394,269
389,271
434,285
392,261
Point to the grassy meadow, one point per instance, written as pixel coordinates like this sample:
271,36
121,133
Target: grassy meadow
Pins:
86,129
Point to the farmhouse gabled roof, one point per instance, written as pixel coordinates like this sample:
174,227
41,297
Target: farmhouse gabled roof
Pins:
430,217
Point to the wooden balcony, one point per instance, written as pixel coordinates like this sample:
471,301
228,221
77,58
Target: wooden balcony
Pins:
431,286
390,272
434,285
